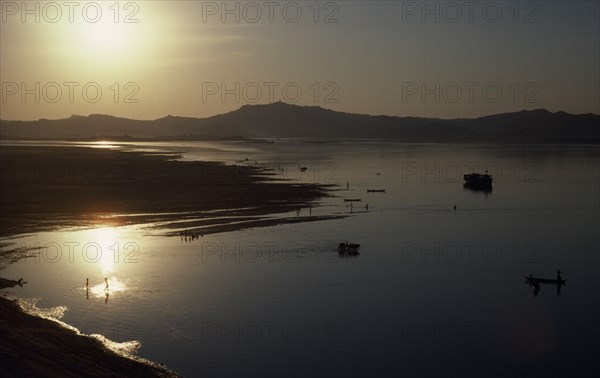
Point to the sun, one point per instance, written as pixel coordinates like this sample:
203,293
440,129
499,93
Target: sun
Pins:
107,38
113,45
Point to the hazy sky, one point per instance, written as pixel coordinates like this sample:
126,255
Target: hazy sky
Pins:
199,58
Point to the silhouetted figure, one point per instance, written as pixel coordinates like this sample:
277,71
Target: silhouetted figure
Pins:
558,282
454,207
347,185
87,282
106,282
367,207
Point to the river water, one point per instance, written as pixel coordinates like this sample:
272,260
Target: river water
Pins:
434,292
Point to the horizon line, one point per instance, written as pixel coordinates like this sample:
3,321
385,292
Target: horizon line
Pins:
294,105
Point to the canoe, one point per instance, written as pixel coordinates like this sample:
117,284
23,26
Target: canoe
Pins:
352,199
545,280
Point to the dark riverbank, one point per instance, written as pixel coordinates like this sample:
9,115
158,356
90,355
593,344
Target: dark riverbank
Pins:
46,188
32,346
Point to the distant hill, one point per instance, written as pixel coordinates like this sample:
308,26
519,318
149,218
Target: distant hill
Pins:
292,121
534,124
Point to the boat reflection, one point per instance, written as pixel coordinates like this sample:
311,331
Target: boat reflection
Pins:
474,188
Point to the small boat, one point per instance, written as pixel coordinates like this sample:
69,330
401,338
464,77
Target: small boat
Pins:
350,249
352,199
375,190
478,181
545,280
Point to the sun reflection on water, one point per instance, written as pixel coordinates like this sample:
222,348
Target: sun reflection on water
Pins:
107,249
114,286
107,259
103,144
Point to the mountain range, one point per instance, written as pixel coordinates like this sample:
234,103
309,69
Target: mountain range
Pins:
281,120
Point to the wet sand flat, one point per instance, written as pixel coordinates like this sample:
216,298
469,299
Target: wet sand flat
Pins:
46,188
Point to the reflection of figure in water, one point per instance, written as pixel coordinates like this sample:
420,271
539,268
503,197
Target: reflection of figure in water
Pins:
533,283
87,288
106,298
536,288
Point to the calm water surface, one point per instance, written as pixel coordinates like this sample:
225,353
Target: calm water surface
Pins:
434,292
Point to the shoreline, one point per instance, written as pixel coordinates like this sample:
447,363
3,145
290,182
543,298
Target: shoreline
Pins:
34,346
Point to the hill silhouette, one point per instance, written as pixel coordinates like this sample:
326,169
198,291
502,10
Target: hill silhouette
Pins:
293,121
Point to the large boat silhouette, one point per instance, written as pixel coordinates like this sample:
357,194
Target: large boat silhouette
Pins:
478,181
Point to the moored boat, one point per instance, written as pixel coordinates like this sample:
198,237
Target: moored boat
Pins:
478,181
